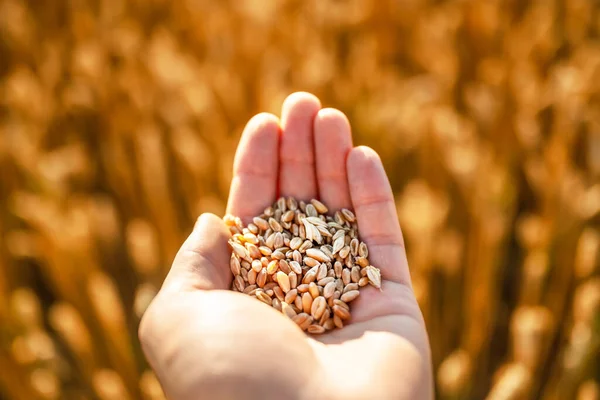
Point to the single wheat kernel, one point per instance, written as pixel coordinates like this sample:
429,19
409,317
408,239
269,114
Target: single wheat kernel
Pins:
239,283
276,226
374,276
341,312
292,204
293,279
253,228
329,324
256,265
345,251
354,247
245,264
320,207
322,272
290,296
338,244
249,289
311,262
239,250
252,277
362,261
325,316
278,241
346,276
272,267
296,242
313,289
330,301
317,255
295,266
300,318
318,307
338,321
363,250
323,231
303,288
261,223
341,303
261,278
325,281
284,266
288,310
284,281
350,286
349,296
250,238
309,277
311,211
234,264
278,292
298,302
306,323
307,301
281,204
315,329
253,251
229,220
337,269
328,290
265,250
270,240
262,296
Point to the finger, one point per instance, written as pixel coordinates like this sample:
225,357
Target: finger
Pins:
202,262
254,183
333,142
375,209
296,157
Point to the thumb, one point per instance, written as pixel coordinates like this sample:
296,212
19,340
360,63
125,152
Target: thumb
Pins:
202,262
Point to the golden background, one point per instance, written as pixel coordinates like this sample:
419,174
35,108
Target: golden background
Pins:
118,123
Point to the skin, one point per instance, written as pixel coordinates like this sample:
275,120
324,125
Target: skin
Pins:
206,342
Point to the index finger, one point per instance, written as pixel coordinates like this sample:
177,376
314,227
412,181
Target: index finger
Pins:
255,170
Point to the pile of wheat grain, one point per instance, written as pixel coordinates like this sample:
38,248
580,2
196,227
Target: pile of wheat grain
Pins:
313,263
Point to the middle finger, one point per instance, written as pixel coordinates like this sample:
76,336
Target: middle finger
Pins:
297,176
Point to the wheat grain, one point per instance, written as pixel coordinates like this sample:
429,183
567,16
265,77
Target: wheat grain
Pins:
313,289
302,262
307,300
374,276
315,329
349,296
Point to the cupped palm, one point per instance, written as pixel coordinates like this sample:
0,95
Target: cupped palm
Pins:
204,341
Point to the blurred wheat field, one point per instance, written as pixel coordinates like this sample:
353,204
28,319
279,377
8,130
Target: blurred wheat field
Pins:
118,123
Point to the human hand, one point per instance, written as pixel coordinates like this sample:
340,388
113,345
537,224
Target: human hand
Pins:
205,341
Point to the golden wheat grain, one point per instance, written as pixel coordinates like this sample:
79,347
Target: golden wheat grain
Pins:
310,272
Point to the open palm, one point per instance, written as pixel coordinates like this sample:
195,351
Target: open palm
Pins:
204,341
